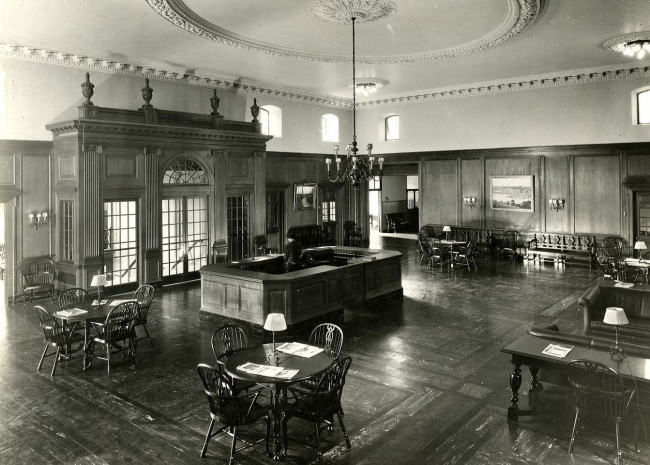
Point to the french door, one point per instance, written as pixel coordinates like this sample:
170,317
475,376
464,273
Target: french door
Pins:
184,237
642,219
237,222
121,244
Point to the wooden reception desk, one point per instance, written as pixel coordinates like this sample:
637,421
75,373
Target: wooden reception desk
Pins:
250,289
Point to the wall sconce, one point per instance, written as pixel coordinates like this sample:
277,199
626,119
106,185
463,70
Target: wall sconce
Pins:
469,201
556,204
37,219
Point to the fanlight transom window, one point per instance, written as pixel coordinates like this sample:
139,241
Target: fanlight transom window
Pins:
184,171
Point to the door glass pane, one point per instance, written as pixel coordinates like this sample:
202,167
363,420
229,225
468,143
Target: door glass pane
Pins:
197,233
237,223
120,241
172,241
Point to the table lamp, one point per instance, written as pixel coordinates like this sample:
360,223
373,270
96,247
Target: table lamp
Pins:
640,245
275,322
616,316
446,230
99,280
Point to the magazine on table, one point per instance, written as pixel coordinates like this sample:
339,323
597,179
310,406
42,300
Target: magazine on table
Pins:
102,302
556,350
299,349
267,370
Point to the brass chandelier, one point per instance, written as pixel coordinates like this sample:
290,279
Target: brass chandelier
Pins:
354,167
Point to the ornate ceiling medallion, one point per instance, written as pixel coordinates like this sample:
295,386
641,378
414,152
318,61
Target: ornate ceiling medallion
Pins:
636,44
520,14
340,11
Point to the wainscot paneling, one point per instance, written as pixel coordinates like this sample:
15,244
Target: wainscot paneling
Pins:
503,219
276,171
7,169
556,186
471,177
35,176
440,187
597,195
638,165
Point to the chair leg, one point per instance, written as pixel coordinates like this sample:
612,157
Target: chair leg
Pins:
207,438
56,360
268,434
40,364
619,453
233,446
345,433
573,432
147,333
284,431
320,454
108,357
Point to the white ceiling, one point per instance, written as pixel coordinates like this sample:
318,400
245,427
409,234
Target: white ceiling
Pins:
567,35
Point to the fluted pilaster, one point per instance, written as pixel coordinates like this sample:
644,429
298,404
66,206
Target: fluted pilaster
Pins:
93,224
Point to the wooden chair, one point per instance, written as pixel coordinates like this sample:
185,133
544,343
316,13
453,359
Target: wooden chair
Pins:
39,278
60,336
465,255
70,298
321,404
232,411
330,337
144,296
424,248
226,340
600,391
116,333
511,244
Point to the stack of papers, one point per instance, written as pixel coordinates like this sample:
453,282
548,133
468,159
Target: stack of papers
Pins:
299,350
103,302
267,370
70,312
556,350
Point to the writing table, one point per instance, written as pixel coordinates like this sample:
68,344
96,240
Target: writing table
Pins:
527,350
262,354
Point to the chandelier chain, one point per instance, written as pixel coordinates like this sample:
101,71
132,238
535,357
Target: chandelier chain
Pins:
354,89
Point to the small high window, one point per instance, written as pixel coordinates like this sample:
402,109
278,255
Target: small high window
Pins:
330,128
392,127
270,118
643,107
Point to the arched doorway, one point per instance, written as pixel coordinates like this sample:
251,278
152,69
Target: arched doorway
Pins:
185,219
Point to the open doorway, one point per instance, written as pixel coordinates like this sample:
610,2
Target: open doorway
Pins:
374,205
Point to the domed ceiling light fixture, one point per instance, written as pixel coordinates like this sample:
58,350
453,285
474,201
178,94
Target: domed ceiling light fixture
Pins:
636,44
354,167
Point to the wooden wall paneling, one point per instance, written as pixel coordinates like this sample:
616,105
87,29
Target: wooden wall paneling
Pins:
276,171
597,195
470,182
441,195
510,166
638,164
627,201
7,169
259,176
239,167
152,217
218,226
556,186
35,198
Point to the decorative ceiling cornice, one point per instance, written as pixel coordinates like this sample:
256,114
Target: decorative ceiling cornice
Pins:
530,83
24,52
519,16
74,60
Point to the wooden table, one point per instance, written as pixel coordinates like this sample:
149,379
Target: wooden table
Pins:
641,266
450,244
262,354
93,313
527,350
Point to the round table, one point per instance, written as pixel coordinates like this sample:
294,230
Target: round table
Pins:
263,354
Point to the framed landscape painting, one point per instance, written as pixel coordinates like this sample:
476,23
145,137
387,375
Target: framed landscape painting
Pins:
304,196
514,193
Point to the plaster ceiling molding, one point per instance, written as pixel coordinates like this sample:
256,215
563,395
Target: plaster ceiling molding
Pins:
106,66
618,43
520,14
340,11
504,87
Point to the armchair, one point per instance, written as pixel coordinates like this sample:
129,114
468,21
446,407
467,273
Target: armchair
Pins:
144,296
226,340
59,336
39,278
116,333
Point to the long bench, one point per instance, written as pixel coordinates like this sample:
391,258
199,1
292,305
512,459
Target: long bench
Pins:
562,248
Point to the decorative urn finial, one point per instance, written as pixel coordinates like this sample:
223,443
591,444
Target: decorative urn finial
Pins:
147,94
214,101
255,110
87,91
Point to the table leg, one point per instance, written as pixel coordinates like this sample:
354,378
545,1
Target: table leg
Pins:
276,408
515,384
535,385
86,344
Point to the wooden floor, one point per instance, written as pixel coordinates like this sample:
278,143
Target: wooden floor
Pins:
427,385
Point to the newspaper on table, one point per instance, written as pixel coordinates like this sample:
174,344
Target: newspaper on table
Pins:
102,302
267,370
70,312
556,350
299,350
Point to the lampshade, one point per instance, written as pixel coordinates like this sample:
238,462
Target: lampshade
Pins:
640,245
275,322
446,229
99,280
615,316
